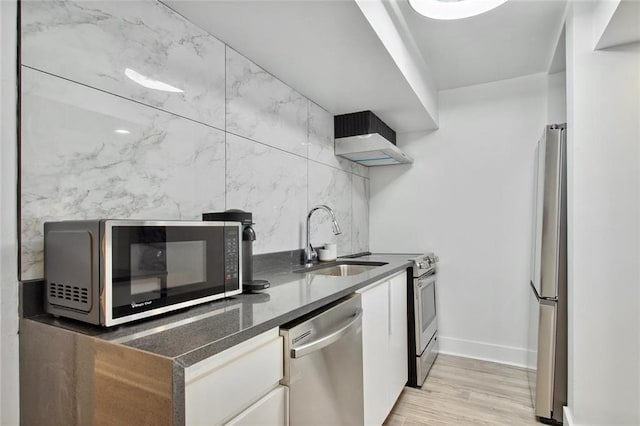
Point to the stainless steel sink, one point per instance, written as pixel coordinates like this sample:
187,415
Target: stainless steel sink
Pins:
344,270
341,268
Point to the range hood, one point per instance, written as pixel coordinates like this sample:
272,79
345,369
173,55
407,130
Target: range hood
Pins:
365,139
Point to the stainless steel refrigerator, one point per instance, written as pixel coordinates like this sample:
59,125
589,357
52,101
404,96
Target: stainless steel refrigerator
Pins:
548,322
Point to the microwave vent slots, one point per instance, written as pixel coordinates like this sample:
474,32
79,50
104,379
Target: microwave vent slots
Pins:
69,295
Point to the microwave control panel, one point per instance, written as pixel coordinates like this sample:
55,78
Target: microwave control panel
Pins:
231,258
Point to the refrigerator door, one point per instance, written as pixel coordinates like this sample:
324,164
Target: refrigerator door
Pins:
553,193
547,342
545,374
532,342
536,233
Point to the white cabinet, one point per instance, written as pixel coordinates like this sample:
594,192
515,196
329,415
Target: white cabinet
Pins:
220,388
272,409
384,345
398,345
241,385
375,348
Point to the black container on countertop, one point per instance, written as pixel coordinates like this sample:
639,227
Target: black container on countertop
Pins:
248,237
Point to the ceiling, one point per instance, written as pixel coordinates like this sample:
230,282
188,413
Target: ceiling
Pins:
512,40
621,27
329,52
326,50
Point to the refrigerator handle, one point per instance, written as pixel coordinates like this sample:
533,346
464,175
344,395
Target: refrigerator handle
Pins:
542,300
535,291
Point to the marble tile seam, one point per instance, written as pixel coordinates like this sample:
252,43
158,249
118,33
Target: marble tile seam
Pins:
270,74
319,106
294,154
191,119
188,118
337,168
266,144
275,77
121,97
226,169
307,99
308,134
307,166
226,147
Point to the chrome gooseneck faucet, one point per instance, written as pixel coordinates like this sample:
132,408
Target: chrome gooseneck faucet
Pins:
310,253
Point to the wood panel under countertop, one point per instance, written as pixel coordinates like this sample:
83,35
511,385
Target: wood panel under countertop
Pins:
463,391
71,378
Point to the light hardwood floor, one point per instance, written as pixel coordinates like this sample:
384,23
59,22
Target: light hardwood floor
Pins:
463,391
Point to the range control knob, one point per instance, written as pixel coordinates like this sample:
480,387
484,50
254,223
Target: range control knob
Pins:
432,260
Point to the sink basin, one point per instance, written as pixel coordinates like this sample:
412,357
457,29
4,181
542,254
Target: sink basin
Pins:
342,268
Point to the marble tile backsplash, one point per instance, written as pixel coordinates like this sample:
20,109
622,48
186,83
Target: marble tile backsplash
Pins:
77,166
360,214
96,42
262,108
96,144
321,142
273,185
330,186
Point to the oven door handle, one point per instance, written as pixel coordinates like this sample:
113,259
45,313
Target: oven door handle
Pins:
327,339
422,283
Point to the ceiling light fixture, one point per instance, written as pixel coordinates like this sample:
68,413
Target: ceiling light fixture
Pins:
122,131
150,83
453,9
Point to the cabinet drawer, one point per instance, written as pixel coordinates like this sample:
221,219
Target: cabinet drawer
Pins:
220,387
269,410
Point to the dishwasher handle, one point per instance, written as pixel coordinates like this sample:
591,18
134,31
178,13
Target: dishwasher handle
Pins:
326,340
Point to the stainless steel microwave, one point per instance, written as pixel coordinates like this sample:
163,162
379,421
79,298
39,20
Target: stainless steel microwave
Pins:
110,272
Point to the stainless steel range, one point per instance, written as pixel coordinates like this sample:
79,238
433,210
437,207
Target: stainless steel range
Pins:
423,325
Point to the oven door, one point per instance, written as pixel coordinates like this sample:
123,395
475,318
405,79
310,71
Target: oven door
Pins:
154,267
425,308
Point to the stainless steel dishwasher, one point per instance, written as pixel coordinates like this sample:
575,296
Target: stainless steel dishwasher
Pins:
323,365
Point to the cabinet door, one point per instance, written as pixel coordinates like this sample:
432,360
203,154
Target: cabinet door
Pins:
397,368
375,340
220,387
270,410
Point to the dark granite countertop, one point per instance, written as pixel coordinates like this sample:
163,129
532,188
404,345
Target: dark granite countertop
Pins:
191,335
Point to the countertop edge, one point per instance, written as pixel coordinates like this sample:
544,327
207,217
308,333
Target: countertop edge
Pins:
204,352
199,351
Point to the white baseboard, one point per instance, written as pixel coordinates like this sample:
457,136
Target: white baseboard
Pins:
567,417
484,351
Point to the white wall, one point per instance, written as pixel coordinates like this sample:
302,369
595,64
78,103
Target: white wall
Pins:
9,406
557,98
468,197
604,233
